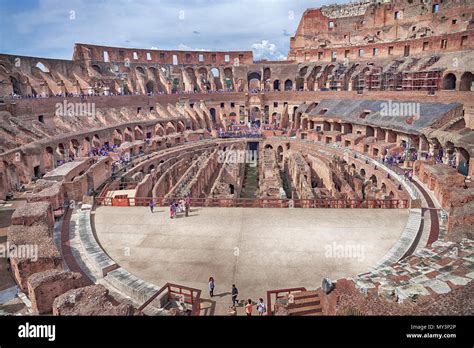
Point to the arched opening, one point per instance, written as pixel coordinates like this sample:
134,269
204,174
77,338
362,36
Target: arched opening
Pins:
48,159
180,127
268,146
138,132
466,82
96,68
383,188
15,85
231,189
369,131
74,146
288,85
464,159
42,67
280,153
117,137
96,141
140,70
449,82
159,130
149,87
362,172
254,79
276,85
215,72
213,115
373,179
299,83
267,74
128,134
60,151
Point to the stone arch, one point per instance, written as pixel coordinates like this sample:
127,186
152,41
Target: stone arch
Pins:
96,68
41,66
117,137
373,179
128,134
464,161
170,129
180,127
61,151
75,147
267,74
159,130
149,87
212,111
288,85
138,132
48,158
96,141
466,81
276,85
280,153
215,72
449,82
254,80
140,70
16,87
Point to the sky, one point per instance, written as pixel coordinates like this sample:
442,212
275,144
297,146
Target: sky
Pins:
49,28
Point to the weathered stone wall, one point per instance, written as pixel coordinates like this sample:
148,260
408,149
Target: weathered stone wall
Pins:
89,301
44,287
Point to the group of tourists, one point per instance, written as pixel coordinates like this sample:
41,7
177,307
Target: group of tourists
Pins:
180,206
261,307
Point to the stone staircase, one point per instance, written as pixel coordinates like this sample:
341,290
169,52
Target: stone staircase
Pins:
250,184
305,303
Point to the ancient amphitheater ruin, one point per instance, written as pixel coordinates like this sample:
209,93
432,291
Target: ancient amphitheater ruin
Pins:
335,182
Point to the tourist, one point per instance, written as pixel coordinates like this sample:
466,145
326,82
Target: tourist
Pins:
212,285
172,210
233,311
152,205
186,208
248,307
261,308
234,293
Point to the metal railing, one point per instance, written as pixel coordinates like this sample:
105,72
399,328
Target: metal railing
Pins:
259,202
279,294
182,293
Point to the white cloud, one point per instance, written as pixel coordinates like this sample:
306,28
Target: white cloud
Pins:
266,50
183,47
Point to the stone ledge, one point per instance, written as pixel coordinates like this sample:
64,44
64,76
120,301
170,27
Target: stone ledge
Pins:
81,223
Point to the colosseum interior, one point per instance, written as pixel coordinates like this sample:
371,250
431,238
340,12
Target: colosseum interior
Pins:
335,182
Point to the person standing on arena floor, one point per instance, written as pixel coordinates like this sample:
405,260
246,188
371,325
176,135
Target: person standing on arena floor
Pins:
234,292
152,205
212,285
248,307
261,308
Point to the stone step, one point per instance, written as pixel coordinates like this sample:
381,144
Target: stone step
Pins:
307,310
304,294
304,302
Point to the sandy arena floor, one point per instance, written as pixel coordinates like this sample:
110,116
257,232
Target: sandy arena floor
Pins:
257,249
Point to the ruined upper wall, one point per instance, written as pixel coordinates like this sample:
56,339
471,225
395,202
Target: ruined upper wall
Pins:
134,55
379,23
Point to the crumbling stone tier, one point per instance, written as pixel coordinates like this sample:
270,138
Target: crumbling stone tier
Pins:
374,108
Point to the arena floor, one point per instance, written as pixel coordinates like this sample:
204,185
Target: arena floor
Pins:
257,249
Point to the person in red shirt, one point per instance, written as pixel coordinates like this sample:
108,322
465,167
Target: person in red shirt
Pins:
248,307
